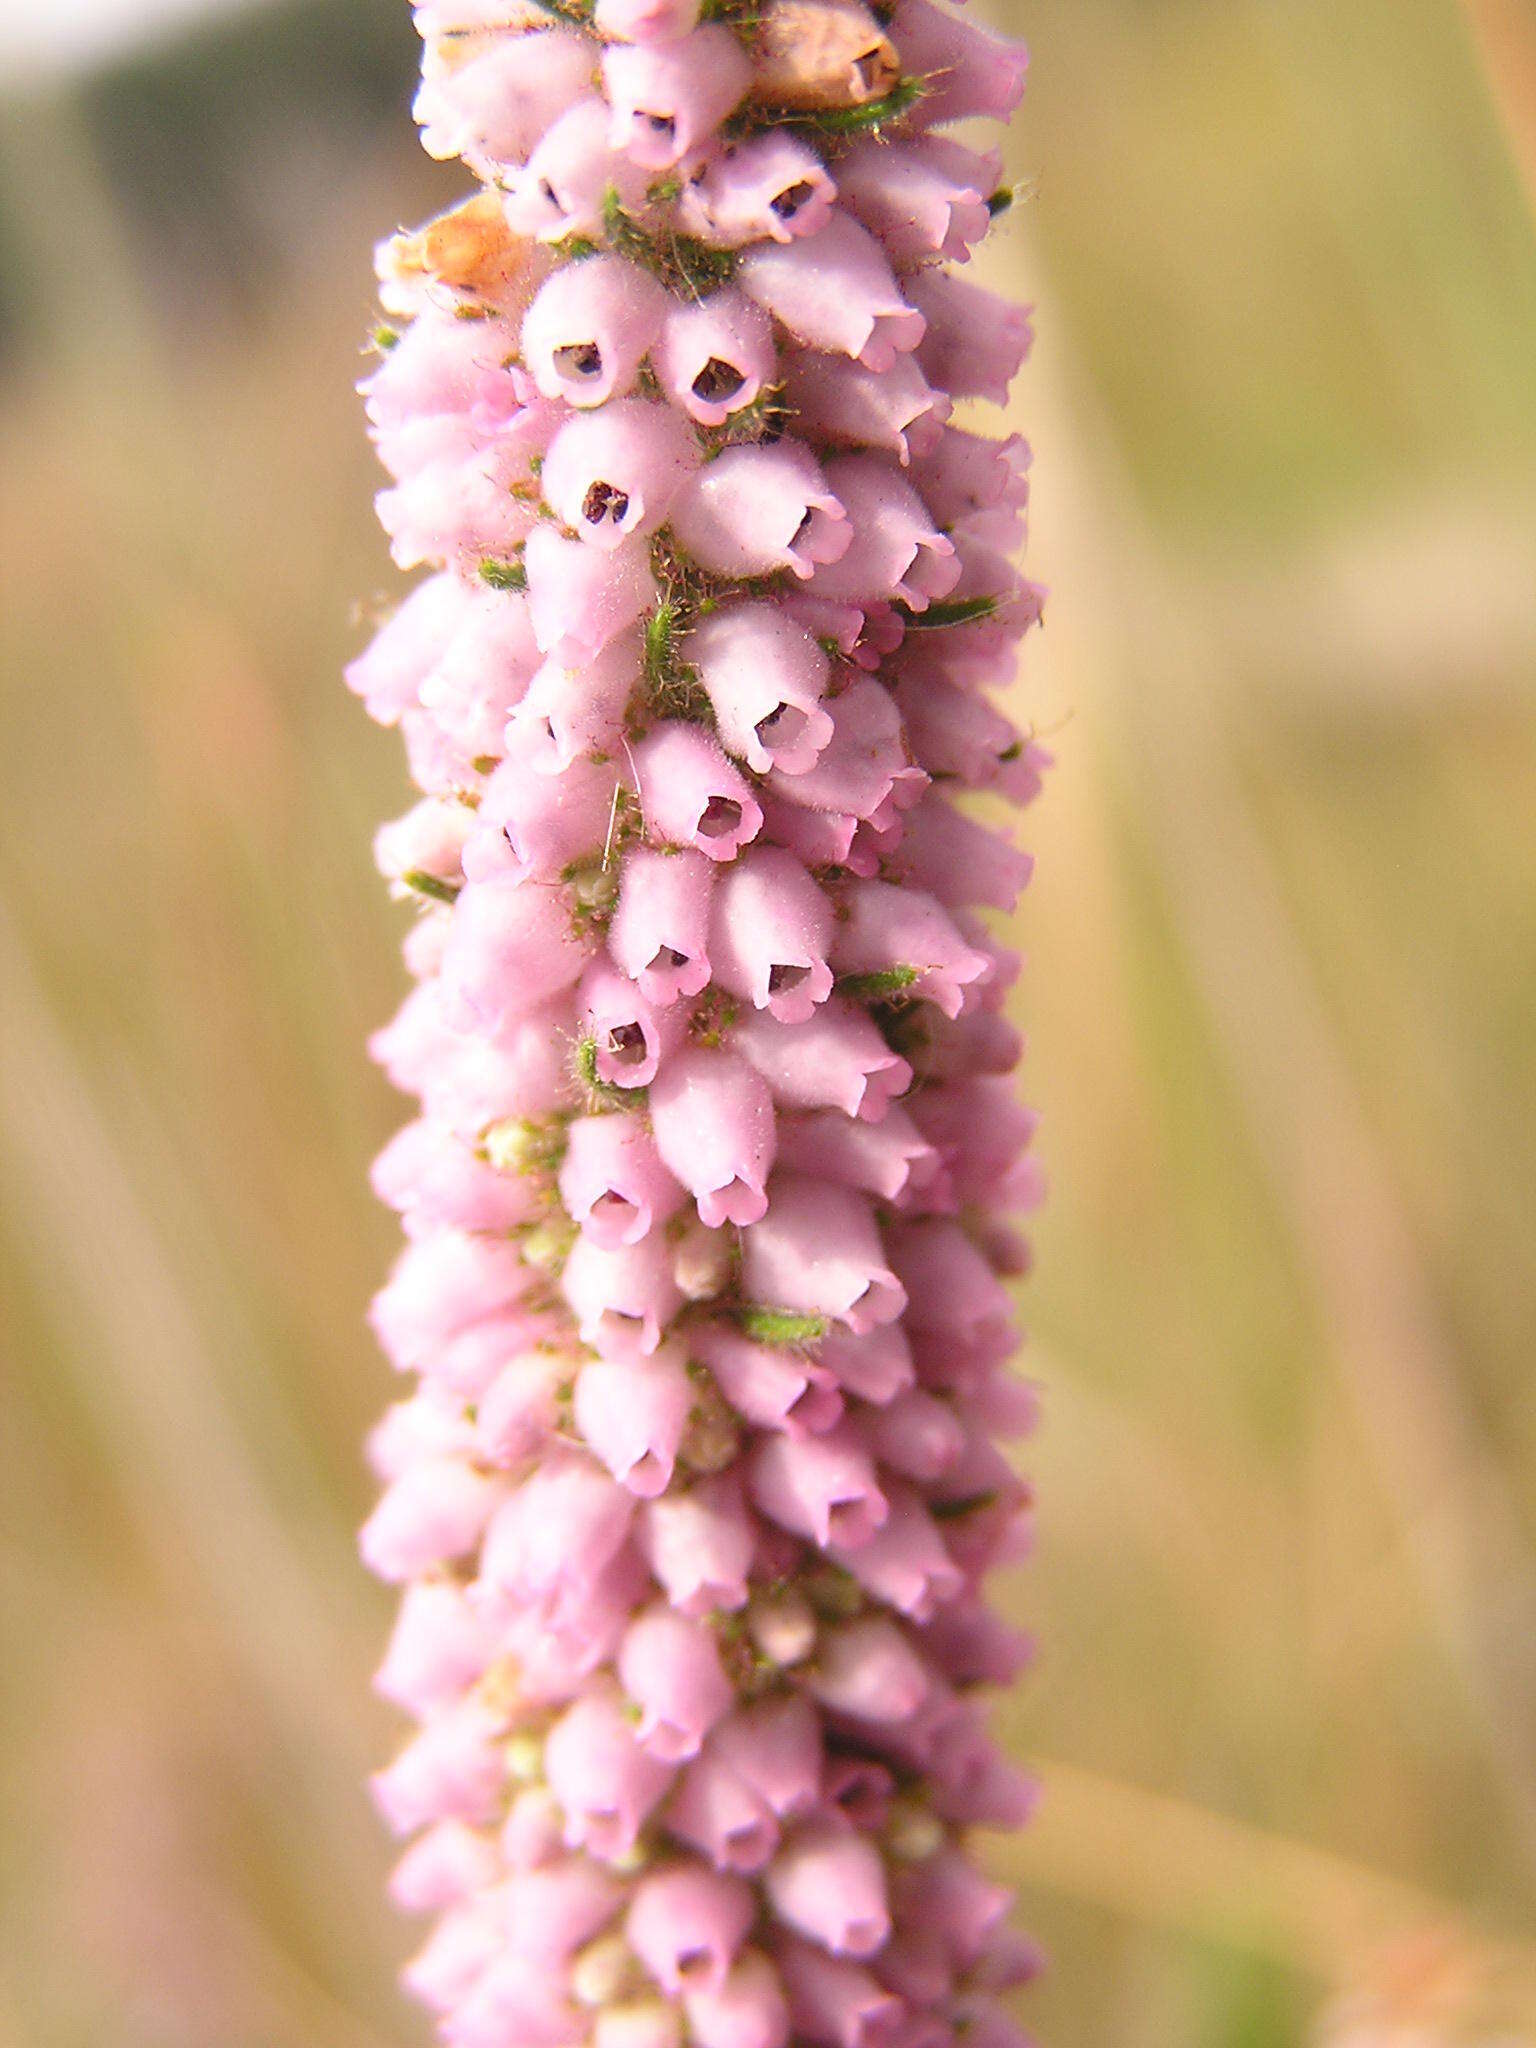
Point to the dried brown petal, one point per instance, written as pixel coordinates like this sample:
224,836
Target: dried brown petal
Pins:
816,54
469,249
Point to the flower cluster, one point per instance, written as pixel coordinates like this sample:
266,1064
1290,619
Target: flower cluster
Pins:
703,1292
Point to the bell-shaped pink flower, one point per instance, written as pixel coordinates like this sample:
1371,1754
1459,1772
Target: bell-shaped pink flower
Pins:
770,934
516,1412
714,357
765,677
691,795
659,932
846,406
864,772
879,1159
632,1413
645,21
668,97
582,597
712,1117
670,1667
969,71
700,1545
875,1365
587,331
532,826
917,1434
769,1385
438,1647
771,187
817,1253
904,1563
448,1863
821,1487
622,1296
615,471
511,947
561,190
973,341
828,1884
834,291
761,507
834,1060
388,674
551,1543
493,108
433,1179
958,860
887,929
896,553
605,1782
627,1032
570,711
430,1514
452,1770
923,199
440,1285
835,2003
612,1180
868,1670
748,2010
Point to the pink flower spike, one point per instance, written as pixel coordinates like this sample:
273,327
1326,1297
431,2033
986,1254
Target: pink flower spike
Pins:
770,934
715,356
761,507
828,1884
659,933
632,1414
772,187
670,1668
765,677
615,471
817,1253
587,331
712,1117
666,98
691,795
834,291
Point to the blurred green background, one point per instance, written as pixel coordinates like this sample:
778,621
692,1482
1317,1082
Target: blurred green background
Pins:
1281,1000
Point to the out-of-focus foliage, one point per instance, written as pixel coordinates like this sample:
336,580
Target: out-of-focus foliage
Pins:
1280,993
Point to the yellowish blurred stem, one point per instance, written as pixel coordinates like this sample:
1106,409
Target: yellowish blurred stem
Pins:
1138,651
1504,34
1180,1866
